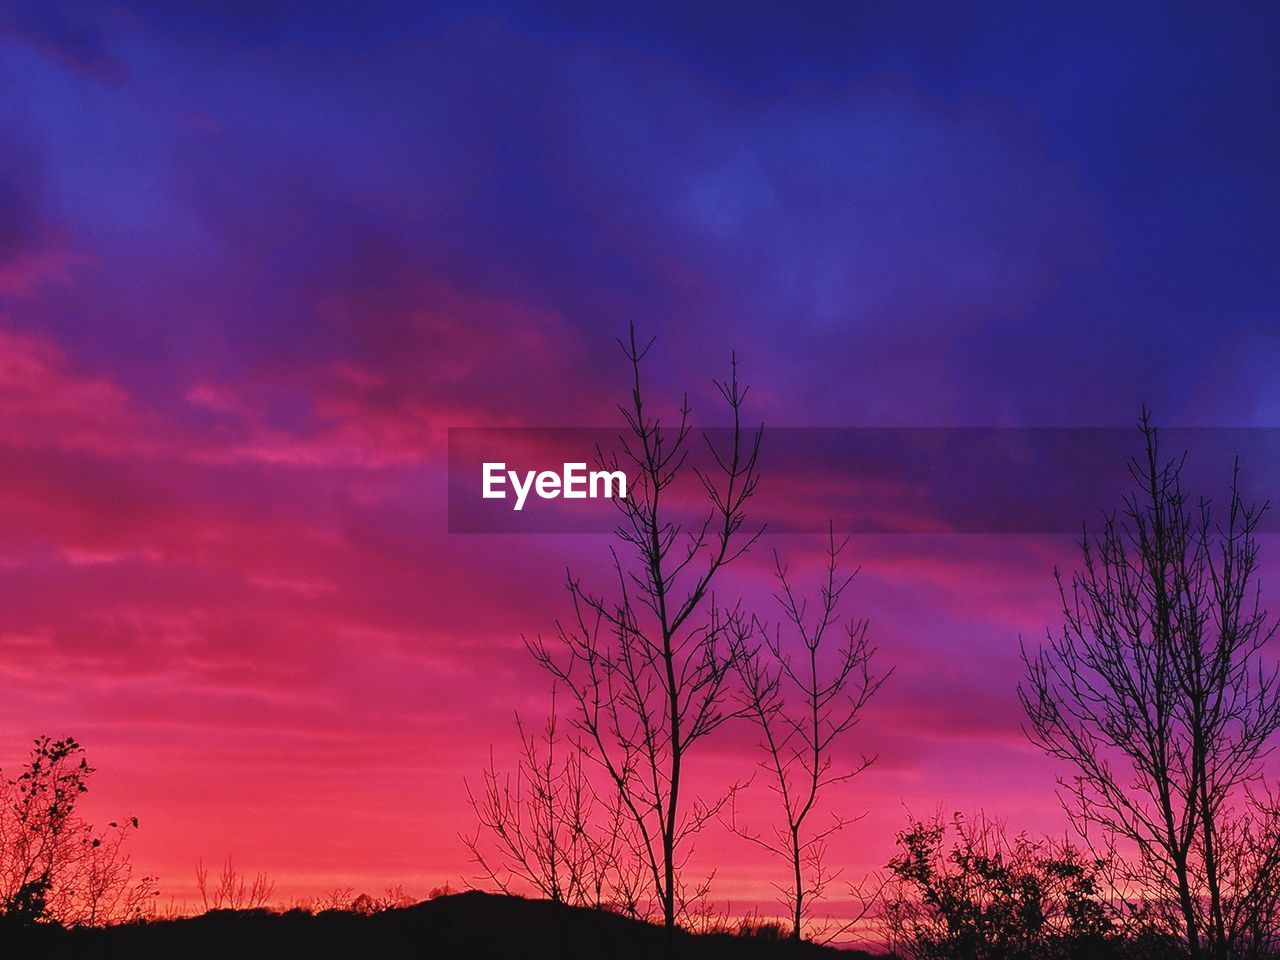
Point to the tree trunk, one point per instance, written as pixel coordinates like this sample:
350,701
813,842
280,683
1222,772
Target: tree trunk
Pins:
795,862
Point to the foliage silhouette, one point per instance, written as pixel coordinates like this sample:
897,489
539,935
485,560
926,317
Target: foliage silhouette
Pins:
55,866
995,897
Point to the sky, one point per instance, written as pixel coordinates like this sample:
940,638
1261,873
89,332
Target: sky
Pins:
256,259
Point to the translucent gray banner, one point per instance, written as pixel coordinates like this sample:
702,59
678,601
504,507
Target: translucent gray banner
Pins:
861,479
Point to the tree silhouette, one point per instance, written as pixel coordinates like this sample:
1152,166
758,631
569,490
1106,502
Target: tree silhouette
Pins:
805,693
1156,694
53,864
234,890
647,666
546,826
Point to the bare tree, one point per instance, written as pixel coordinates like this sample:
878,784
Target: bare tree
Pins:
1156,694
647,666
805,695
234,890
98,886
546,827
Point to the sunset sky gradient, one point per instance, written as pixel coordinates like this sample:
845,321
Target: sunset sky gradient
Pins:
257,258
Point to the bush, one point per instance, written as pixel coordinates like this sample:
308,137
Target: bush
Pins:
54,866
991,897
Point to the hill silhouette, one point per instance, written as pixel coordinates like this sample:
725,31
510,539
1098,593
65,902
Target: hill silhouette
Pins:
473,925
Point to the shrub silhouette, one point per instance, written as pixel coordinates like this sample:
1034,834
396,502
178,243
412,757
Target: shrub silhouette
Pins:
234,890
54,866
994,897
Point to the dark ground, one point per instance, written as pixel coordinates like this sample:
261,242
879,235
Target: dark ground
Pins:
465,925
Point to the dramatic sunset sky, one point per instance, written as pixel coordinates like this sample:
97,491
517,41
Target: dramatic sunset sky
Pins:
256,258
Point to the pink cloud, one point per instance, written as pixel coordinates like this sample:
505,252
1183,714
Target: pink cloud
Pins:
26,274
43,403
